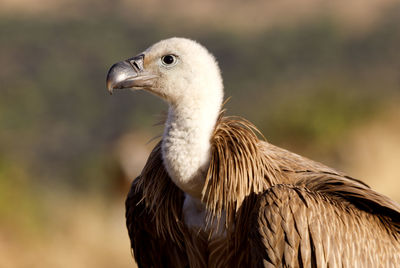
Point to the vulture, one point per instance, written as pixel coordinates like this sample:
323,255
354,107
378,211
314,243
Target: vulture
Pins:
214,193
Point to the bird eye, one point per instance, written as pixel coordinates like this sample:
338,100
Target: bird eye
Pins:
168,59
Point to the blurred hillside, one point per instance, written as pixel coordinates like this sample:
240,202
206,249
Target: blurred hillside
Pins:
319,78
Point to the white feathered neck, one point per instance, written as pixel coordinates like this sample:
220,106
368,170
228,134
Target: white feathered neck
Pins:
186,142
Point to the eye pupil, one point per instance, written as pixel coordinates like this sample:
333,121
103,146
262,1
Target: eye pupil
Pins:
168,59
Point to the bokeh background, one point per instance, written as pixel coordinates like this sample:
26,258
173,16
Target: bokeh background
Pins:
318,77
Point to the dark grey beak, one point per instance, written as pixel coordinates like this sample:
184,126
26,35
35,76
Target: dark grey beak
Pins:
129,74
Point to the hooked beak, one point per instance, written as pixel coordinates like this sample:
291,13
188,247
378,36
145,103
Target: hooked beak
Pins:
129,74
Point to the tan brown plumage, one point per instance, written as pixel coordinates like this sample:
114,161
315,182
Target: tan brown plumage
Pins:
212,194
283,211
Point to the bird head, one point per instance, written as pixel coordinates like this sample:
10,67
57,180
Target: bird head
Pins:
175,69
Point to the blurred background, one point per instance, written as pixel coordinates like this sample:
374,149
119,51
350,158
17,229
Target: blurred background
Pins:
318,77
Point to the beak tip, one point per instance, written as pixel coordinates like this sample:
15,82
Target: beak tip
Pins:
109,85
110,89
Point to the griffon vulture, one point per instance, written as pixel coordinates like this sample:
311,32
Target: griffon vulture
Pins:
212,194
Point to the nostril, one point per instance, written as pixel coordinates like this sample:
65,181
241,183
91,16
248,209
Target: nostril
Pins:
136,65
136,62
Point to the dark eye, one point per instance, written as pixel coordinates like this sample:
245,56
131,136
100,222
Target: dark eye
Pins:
168,59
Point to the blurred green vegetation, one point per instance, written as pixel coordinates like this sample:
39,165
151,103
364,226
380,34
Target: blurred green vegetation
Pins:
303,85
20,208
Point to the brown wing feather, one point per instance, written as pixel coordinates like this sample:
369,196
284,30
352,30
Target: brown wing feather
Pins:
322,218
149,247
154,217
294,227
154,220
315,176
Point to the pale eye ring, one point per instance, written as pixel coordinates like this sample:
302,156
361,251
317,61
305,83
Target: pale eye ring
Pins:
168,60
